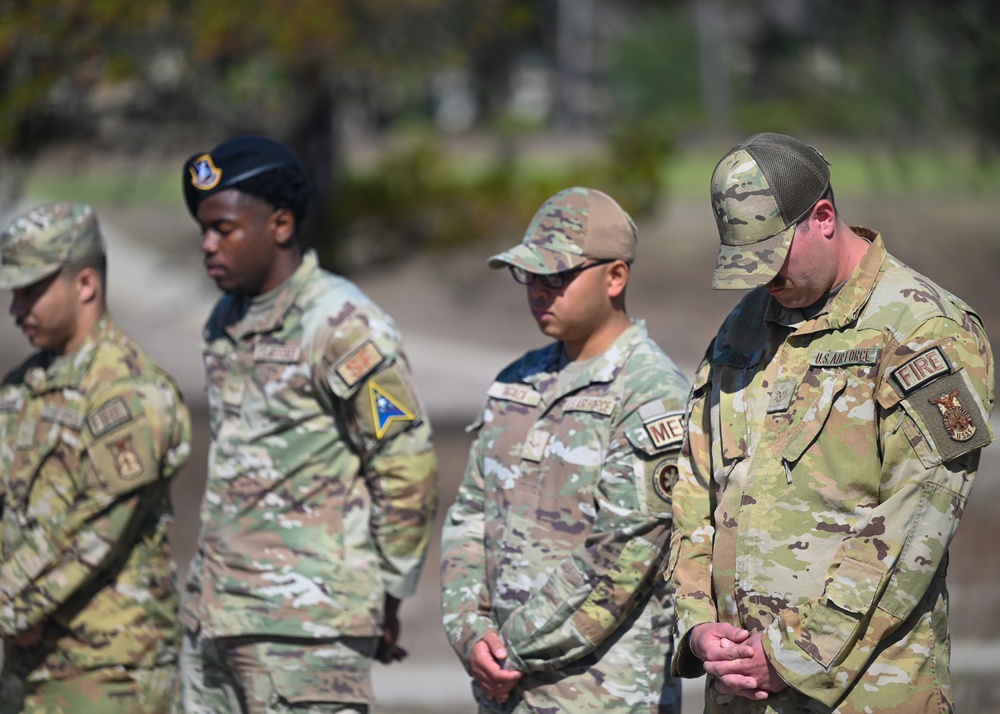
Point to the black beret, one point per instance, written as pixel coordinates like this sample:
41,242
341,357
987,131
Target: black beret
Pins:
231,162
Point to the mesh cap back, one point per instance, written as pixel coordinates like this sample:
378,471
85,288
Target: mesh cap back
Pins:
799,175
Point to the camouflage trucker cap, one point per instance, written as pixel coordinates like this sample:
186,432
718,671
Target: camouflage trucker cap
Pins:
761,189
39,242
575,225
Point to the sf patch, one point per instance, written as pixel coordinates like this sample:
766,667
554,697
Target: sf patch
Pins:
386,409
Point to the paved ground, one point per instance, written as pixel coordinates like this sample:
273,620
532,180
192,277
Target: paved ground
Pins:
462,323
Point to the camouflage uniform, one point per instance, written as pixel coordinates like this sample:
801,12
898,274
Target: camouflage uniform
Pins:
321,486
557,539
88,443
863,426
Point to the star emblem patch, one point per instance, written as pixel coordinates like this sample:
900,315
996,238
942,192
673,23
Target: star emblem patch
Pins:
386,410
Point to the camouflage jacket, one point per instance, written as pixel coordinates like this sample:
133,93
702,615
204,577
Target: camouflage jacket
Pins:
558,537
321,479
827,464
88,444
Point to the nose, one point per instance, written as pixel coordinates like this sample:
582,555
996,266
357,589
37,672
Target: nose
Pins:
18,305
537,289
209,241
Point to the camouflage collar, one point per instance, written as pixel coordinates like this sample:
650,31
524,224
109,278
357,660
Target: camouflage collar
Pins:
289,293
601,369
69,372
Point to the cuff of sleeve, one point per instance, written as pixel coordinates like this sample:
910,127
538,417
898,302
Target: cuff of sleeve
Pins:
685,663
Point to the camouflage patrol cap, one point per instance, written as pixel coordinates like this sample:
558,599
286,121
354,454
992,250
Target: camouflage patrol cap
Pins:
232,162
571,227
761,189
39,242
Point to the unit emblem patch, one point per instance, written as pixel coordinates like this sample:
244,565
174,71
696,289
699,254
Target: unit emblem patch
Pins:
386,410
958,421
127,462
663,479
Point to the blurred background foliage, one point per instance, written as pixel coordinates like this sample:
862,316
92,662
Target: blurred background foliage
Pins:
429,124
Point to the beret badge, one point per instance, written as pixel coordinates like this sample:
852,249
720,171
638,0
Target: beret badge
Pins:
205,175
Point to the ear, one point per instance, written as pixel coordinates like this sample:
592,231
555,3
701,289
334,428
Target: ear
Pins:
617,276
825,216
88,285
283,225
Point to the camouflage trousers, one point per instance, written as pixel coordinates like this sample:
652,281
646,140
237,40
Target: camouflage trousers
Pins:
110,690
257,675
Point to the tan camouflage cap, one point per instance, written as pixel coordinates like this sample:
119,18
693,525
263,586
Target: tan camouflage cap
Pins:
761,189
39,242
575,225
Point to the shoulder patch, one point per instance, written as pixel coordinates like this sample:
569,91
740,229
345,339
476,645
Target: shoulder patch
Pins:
386,410
599,405
667,431
62,415
951,416
663,480
277,353
920,370
112,414
510,392
127,463
359,362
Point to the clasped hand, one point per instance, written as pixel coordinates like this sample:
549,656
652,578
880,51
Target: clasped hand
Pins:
486,664
736,659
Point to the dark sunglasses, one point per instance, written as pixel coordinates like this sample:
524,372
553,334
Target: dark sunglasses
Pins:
553,280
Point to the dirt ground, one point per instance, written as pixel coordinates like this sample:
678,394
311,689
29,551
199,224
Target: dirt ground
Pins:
455,299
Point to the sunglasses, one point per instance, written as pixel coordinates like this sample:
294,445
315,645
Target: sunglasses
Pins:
552,280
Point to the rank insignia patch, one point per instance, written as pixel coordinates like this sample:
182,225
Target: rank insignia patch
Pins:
781,397
958,422
386,410
127,462
204,174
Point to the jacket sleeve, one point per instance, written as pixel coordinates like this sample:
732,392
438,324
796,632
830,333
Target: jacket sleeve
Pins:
465,594
399,465
883,570
93,517
594,589
690,562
